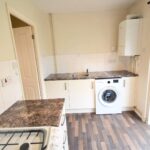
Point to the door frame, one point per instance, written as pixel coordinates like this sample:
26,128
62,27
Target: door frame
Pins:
147,111
11,11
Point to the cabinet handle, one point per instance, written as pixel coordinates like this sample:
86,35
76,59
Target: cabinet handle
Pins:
65,85
92,85
63,120
124,83
65,138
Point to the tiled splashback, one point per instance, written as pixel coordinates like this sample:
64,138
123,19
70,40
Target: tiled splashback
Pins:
10,87
94,62
48,66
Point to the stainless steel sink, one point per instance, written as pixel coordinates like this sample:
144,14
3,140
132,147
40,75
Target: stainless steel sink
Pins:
80,75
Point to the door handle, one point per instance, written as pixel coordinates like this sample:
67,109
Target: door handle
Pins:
65,138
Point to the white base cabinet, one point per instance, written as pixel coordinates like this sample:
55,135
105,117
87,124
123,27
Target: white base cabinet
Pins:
78,94
81,93
58,139
129,92
58,89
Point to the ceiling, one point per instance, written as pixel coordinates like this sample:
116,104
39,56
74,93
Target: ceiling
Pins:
60,6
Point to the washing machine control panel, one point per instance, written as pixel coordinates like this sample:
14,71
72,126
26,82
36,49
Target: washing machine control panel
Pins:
108,82
115,81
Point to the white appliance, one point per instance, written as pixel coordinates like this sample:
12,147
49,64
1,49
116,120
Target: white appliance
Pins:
130,32
109,96
43,138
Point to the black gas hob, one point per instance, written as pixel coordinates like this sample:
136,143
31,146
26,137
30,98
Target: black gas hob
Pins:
22,140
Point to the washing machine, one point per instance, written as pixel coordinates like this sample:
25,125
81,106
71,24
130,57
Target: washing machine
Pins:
109,93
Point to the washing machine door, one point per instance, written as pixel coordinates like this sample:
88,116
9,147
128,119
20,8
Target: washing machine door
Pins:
108,96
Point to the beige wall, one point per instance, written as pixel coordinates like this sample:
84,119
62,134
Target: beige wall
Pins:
86,32
143,9
30,11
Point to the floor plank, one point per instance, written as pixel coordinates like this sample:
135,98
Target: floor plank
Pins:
107,132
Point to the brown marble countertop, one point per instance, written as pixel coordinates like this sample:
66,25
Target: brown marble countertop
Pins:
33,113
92,75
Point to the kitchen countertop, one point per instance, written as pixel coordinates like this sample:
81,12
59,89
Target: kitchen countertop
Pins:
33,113
92,75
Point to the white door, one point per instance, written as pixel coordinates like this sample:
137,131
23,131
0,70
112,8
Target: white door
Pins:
27,62
58,89
81,93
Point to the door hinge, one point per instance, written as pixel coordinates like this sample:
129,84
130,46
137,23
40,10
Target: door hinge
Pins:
33,37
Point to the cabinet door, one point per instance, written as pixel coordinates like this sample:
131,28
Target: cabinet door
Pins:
81,93
58,89
129,91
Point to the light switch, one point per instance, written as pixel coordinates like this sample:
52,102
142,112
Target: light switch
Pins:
9,79
5,81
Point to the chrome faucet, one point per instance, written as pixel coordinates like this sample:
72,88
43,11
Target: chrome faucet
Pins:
87,72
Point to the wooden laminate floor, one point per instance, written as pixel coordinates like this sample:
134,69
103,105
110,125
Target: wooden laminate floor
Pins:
107,132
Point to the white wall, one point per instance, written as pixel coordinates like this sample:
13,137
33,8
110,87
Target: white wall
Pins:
88,40
143,9
12,91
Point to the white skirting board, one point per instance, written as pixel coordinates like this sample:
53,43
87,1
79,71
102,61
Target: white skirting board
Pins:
94,110
128,109
72,111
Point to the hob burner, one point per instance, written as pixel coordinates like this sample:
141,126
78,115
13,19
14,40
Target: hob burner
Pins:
25,146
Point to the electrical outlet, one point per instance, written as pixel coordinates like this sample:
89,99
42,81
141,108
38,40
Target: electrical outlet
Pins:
9,79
